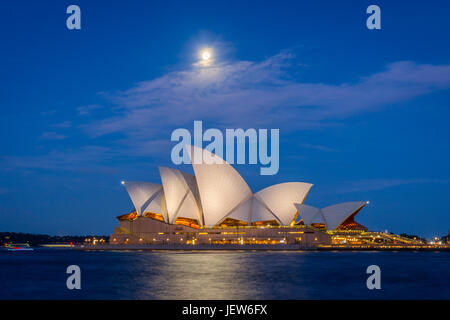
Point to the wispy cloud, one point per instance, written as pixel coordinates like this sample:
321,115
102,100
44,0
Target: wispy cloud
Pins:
62,125
379,184
243,94
52,136
49,112
317,147
71,159
257,94
87,110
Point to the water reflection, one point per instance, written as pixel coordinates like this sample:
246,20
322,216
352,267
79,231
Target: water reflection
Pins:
224,275
198,276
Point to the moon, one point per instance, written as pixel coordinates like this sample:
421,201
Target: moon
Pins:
206,55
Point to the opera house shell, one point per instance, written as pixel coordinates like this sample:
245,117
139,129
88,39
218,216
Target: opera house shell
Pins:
216,206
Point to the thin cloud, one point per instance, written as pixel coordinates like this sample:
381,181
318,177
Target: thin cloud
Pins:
238,94
380,184
60,160
52,136
62,125
260,94
49,112
317,147
87,110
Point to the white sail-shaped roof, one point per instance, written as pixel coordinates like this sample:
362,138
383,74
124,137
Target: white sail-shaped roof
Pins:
157,205
242,212
260,212
189,209
253,210
318,218
280,199
308,214
215,193
336,214
221,187
180,192
146,196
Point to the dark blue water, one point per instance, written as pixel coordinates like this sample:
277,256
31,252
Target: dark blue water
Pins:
41,274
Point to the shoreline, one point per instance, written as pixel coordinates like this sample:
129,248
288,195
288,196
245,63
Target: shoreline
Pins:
237,247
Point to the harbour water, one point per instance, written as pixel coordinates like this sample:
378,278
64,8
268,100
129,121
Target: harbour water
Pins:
41,274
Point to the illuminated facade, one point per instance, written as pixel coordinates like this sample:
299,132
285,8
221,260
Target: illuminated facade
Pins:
216,206
338,216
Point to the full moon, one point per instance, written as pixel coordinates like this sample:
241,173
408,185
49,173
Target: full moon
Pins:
206,55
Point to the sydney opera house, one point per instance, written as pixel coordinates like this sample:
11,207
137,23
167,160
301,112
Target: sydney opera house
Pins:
216,206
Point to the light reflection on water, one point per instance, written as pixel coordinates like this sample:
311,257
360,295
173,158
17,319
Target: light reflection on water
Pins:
193,276
224,275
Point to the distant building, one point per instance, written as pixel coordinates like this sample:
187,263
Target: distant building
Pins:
446,239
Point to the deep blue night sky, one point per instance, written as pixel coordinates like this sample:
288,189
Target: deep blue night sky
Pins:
363,114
